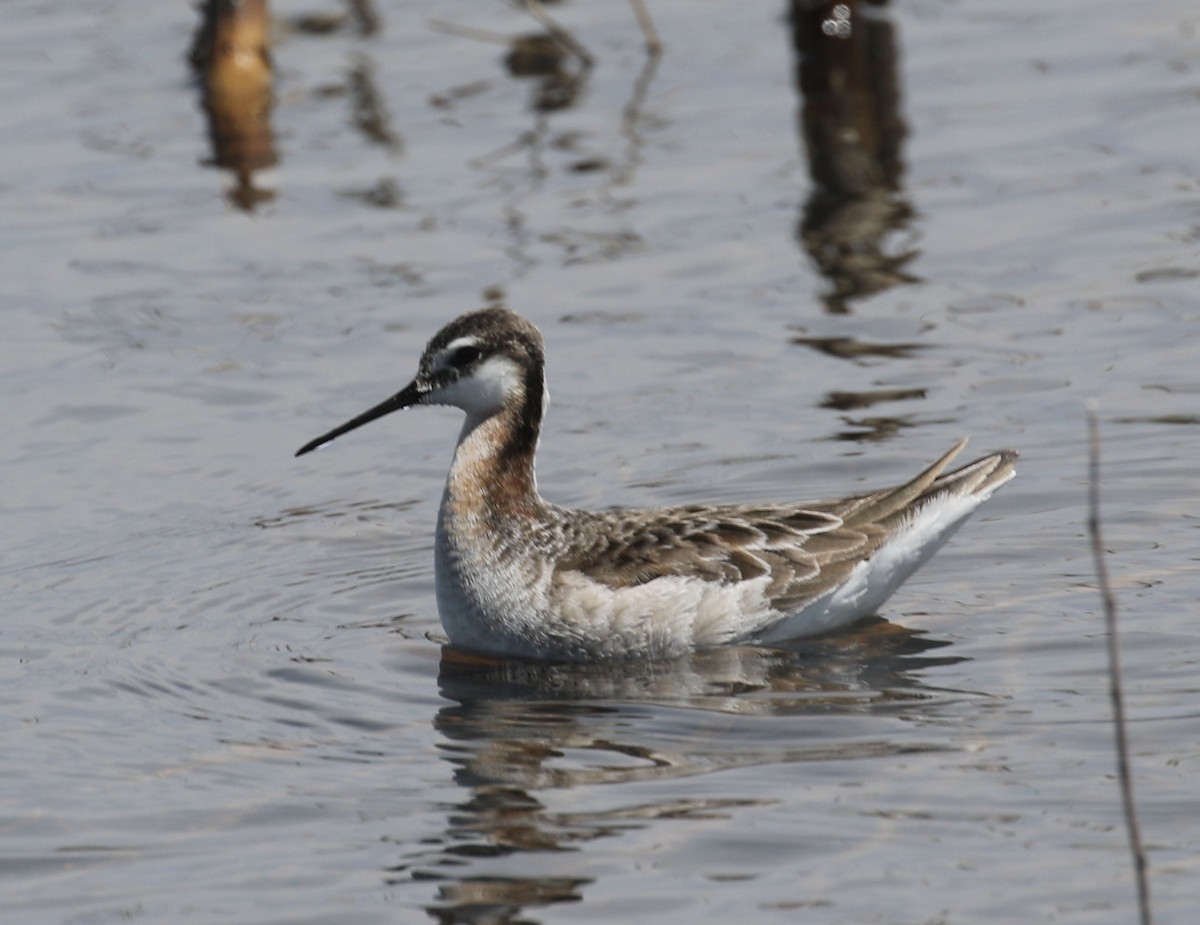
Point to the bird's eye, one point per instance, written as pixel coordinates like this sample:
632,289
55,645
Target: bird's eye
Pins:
464,356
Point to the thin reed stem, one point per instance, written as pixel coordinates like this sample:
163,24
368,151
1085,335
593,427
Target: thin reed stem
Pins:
1114,671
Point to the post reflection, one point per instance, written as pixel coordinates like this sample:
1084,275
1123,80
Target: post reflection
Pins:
846,75
231,58
520,735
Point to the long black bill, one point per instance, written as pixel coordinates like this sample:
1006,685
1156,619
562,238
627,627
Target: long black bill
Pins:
406,397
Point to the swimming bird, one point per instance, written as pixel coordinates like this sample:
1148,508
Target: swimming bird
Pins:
519,576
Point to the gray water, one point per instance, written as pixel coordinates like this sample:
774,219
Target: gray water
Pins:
224,693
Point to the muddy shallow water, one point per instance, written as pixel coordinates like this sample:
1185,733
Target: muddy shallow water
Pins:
225,695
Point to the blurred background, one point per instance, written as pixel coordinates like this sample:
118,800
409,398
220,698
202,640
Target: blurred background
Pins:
777,252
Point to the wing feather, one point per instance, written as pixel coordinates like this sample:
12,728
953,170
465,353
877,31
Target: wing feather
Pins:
807,550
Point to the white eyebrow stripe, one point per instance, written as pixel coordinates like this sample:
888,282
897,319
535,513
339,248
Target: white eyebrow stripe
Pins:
442,360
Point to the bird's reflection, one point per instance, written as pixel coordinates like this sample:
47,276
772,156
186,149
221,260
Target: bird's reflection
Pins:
846,75
499,901
517,732
869,660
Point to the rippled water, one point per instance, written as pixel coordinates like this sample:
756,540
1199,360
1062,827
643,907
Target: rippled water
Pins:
224,691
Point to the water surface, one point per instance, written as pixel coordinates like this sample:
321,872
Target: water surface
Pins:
225,693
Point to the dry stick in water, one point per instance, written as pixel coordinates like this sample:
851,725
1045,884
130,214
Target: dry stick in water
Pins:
1114,670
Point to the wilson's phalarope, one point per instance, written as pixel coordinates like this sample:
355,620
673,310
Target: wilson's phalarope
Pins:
517,575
